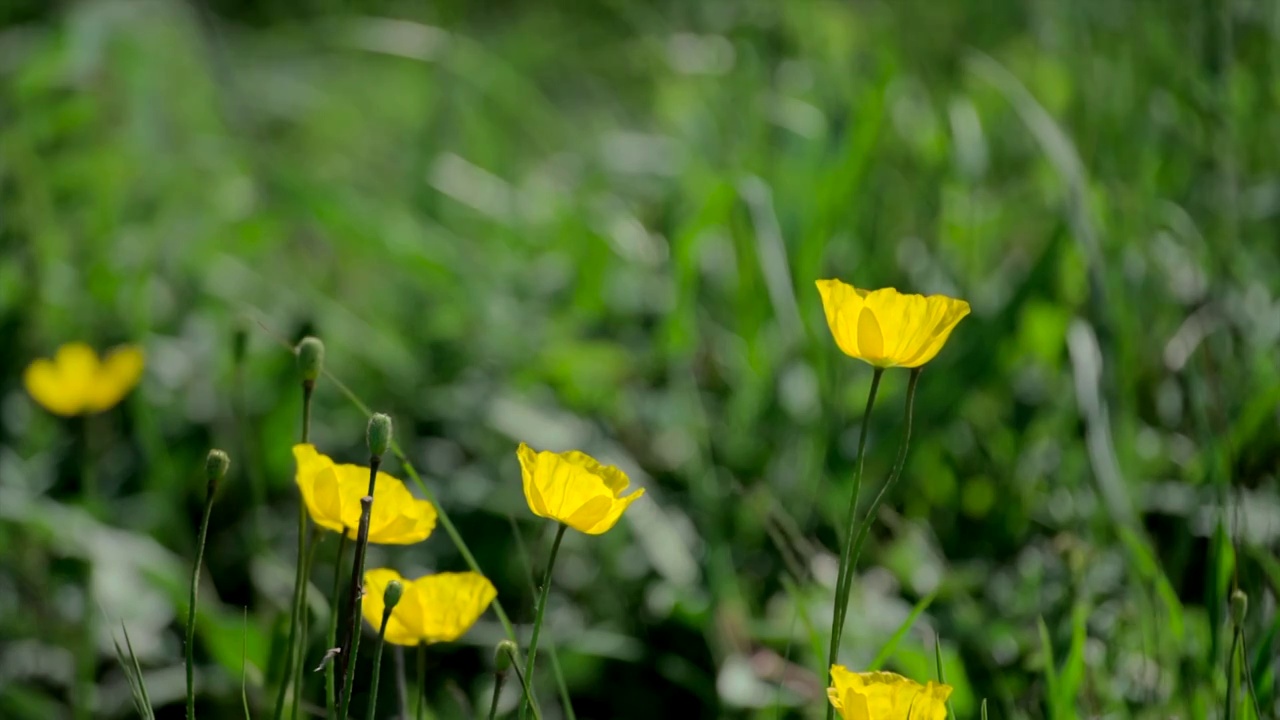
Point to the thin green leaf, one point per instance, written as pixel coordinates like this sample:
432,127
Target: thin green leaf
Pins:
887,649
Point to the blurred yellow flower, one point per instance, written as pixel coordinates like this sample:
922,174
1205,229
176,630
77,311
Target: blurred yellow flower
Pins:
76,382
887,328
575,489
332,495
434,608
885,696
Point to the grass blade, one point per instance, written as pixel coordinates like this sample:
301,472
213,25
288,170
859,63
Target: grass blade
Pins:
887,649
942,676
1050,670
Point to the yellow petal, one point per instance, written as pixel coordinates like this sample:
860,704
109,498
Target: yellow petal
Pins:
842,304
573,488
318,484
615,513
885,696
118,374
44,384
528,467
404,627
887,328
451,603
870,339
397,517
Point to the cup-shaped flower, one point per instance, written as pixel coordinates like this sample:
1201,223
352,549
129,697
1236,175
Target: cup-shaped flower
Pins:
432,609
573,488
887,328
77,382
885,696
332,494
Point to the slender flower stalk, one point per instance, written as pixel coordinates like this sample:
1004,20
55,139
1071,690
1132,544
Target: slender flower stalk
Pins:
390,598
378,437
330,687
310,354
865,528
843,575
504,657
304,622
215,469
537,620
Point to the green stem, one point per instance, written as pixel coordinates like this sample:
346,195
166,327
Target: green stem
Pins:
524,686
191,605
1230,710
294,609
843,574
497,692
561,686
304,620
346,671
377,665
565,701
894,474
402,686
540,613
330,685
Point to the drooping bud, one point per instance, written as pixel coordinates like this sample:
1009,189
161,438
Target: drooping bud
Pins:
310,358
1239,607
215,468
379,435
391,596
503,655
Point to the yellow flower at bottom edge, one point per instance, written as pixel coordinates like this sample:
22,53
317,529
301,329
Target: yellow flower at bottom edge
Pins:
885,696
332,494
573,488
887,328
77,382
434,608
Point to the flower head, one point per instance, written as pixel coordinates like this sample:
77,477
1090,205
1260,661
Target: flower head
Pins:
887,328
77,382
575,489
433,608
885,696
332,495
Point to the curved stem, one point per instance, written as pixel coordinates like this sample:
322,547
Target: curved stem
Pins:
531,656
377,665
497,692
895,473
843,575
191,606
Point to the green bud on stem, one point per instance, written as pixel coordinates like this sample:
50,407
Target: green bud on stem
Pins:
391,596
310,358
503,655
379,434
215,468
1239,607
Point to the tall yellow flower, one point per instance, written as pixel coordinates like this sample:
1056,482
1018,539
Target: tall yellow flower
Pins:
434,608
573,488
332,495
885,696
77,382
887,328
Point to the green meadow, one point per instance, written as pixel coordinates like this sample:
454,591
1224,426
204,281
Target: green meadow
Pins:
598,227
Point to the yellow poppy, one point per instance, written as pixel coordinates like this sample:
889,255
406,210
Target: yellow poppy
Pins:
332,495
575,489
885,696
887,328
434,608
77,382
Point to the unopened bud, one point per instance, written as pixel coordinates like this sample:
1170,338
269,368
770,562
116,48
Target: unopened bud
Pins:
1239,607
215,468
503,655
379,434
310,358
391,596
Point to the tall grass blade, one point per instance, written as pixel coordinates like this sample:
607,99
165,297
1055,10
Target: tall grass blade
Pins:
886,650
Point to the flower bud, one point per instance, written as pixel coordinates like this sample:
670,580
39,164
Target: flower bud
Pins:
310,358
215,468
379,434
1239,607
391,596
503,655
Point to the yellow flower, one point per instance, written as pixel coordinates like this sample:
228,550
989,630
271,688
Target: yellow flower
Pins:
887,328
76,382
885,696
575,489
434,608
332,495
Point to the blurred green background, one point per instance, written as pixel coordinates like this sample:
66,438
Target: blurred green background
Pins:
597,226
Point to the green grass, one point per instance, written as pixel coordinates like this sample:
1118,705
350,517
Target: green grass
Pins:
599,228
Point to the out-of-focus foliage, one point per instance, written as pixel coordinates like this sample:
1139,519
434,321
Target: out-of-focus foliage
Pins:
598,228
